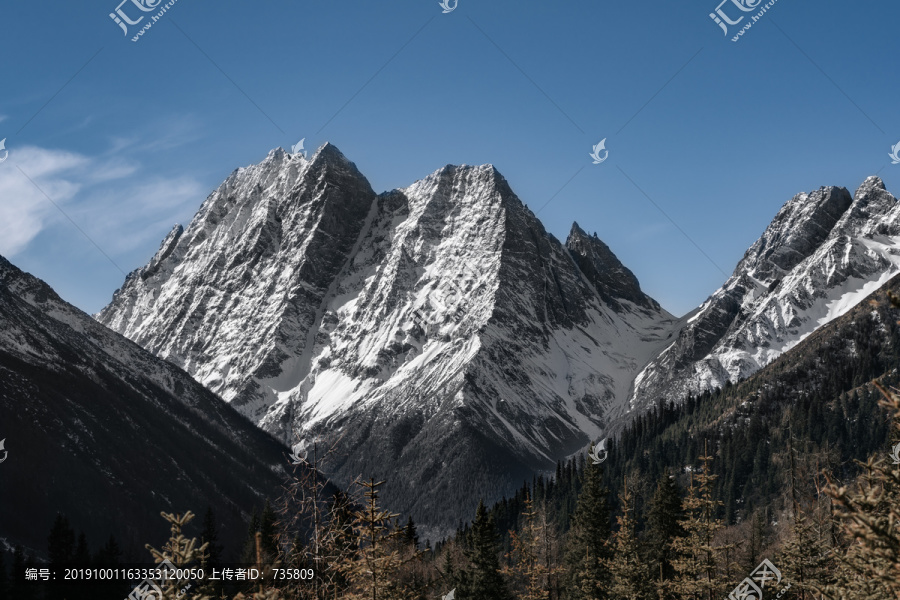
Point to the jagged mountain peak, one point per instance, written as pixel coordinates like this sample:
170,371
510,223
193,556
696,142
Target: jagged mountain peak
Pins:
801,225
872,201
823,252
455,193
328,153
486,175
612,279
871,183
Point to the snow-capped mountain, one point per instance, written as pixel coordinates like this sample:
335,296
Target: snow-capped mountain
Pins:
438,334
99,429
822,254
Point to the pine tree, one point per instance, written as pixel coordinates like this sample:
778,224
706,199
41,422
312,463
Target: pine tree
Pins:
588,577
109,555
269,530
663,526
630,578
339,546
756,541
410,534
82,554
61,551
318,526
806,554
374,567
210,537
870,517
178,553
483,579
81,558
60,542
697,554
532,560
248,555
213,559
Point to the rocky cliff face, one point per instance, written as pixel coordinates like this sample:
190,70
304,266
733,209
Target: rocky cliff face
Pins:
437,335
823,253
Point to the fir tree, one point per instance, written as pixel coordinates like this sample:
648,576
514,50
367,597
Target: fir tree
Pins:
210,537
109,555
588,548
410,534
60,543
269,530
663,526
248,554
178,553
806,555
82,555
213,559
60,551
756,541
373,569
697,554
483,580
532,555
318,526
870,518
629,576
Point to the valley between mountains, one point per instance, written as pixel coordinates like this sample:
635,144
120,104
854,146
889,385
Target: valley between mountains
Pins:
437,336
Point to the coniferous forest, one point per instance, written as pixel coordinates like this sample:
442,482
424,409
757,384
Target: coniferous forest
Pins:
791,466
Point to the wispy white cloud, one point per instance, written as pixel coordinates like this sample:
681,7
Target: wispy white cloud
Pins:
24,209
130,216
119,209
171,133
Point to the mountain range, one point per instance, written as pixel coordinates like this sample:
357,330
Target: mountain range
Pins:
439,337
822,254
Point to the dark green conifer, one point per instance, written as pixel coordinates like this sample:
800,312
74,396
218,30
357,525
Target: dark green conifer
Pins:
483,580
588,577
663,526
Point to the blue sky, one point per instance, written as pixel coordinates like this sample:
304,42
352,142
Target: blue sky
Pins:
128,138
